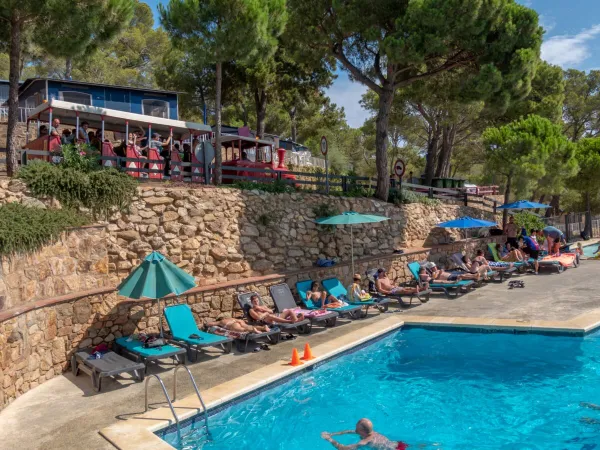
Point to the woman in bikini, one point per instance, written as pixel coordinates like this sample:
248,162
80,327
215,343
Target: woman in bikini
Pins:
238,325
266,315
321,299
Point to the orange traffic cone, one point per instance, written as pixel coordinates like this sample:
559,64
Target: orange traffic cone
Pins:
295,358
307,353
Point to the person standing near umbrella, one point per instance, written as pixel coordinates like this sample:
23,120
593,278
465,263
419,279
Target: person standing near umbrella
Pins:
511,232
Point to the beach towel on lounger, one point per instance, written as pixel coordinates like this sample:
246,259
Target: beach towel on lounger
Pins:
564,259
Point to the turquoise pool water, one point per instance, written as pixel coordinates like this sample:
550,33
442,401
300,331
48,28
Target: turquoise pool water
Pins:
590,250
432,390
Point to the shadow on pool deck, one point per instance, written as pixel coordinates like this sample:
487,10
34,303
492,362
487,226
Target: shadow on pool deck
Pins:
66,413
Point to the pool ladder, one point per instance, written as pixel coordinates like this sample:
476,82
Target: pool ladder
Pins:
205,429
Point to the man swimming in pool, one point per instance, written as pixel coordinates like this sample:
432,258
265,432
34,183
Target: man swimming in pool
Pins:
368,438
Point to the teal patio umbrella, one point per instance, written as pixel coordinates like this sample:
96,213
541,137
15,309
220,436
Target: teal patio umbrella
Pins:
350,218
155,278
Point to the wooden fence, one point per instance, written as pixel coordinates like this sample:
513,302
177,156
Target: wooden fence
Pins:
202,173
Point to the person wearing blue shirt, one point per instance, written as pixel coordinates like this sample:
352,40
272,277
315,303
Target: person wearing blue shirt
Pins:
531,247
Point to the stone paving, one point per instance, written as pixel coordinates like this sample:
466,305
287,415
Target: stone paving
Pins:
66,413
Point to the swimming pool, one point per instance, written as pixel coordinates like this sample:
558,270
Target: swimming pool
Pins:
590,250
430,389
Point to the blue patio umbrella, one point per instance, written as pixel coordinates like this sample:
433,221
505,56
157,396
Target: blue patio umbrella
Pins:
466,222
155,278
524,204
350,218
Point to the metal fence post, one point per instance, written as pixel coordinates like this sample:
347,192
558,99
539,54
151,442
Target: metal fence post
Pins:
279,175
466,198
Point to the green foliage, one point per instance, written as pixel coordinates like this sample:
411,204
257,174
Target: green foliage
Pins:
80,157
582,104
520,151
26,229
325,210
529,221
405,197
276,187
587,180
99,191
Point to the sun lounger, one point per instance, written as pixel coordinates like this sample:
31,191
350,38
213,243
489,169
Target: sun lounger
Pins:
503,270
334,287
301,327
183,326
303,287
136,350
283,298
447,288
520,266
109,365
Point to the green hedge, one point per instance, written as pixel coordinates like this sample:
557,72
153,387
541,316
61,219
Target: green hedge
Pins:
25,229
99,191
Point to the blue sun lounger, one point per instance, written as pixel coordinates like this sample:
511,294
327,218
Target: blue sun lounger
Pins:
335,287
447,288
303,287
182,325
135,349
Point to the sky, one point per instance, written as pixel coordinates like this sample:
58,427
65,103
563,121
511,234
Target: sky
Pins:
572,40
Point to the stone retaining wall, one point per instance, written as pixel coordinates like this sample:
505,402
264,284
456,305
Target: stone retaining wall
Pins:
77,262
221,234
36,340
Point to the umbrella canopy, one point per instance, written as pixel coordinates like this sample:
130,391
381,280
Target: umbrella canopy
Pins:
350,218
467,222
524,204
156,277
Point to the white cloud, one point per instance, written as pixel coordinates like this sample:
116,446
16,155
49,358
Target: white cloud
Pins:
569,50
547,22
347,93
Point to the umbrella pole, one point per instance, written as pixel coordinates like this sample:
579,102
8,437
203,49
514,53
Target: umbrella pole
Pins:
352,248
159,319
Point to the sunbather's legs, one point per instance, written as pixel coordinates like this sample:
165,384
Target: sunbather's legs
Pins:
270,318
291,315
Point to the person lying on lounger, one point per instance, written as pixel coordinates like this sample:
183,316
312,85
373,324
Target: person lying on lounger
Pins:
509,254
266,315
476,266
385,286
441,276
321,299
231,324
368,438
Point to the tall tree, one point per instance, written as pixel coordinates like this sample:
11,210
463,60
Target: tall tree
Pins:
216,31
26,18
85,27
389,44
520,151
581,111
587,181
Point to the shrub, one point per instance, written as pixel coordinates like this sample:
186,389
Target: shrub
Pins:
529,221
405,197
26,229
80,157
325,210
275,187
99,191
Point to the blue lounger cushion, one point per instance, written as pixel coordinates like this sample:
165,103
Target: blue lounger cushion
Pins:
182,325
335,287
304,286
137,347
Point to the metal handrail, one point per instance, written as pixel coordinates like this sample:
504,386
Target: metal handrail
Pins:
181,366
162,385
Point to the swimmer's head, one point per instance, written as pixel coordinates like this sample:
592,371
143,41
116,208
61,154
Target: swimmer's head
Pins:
364,428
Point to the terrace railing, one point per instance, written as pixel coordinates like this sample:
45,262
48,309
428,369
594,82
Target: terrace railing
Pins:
315,181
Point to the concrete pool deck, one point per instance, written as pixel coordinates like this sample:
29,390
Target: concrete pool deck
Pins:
66,412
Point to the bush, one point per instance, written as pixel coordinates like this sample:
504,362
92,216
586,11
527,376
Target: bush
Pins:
276,187
529,221
99,191
80,157
26,229
405,197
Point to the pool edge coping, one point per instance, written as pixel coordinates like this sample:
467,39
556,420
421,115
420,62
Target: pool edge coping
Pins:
138,432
